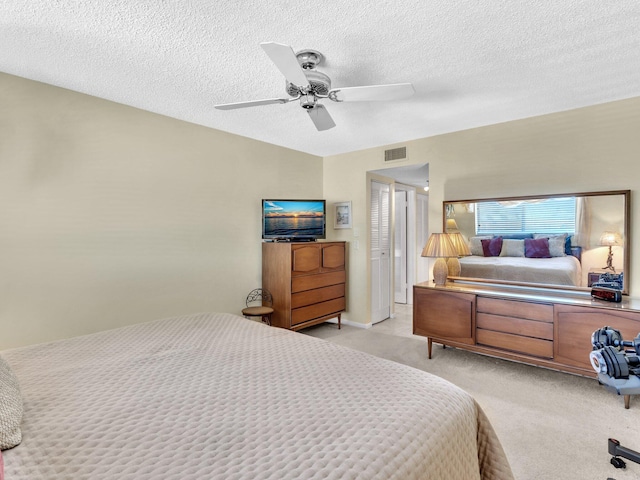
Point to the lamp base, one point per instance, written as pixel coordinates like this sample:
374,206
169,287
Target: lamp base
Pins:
453,265
440,271
610,261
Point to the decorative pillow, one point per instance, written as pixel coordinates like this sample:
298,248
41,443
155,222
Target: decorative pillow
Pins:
491,247
556,246
536,248
557,243
567,245
475,245
512,248
10,407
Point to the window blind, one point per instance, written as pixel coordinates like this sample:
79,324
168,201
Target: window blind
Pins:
553,215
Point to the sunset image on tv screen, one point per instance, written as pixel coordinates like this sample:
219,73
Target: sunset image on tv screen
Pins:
293,218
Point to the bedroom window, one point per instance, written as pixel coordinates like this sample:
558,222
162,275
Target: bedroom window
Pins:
554,215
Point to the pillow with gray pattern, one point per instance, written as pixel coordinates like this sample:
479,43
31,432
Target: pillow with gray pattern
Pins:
475,244
512,248
10,407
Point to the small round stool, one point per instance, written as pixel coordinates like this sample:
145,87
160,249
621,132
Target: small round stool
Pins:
265,308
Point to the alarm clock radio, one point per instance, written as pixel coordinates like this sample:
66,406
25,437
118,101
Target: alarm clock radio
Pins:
605,293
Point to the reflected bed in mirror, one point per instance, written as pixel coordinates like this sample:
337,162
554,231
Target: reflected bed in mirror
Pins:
572,241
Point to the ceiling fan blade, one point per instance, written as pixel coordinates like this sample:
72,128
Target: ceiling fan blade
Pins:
286,61
254,103
394,91
321,118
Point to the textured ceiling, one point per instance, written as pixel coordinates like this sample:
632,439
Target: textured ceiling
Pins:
472,62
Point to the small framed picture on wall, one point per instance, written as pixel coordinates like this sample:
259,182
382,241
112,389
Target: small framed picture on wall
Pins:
342,215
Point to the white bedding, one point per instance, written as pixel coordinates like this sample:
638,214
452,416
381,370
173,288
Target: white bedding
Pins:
556,270
216,396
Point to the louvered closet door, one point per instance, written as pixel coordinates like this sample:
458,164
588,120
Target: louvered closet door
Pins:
380,252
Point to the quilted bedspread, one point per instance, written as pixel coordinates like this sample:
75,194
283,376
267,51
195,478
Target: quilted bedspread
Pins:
216,396
556,270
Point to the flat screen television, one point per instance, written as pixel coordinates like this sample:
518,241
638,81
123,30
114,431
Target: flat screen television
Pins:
293,220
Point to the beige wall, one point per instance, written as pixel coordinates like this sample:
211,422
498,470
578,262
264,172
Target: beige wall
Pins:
110,215
589,149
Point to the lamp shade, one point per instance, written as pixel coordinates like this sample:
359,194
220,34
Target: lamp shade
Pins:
461,246
440,246
453,264
610,238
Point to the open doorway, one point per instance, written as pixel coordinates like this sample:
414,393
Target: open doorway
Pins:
404,247
401,245
407,212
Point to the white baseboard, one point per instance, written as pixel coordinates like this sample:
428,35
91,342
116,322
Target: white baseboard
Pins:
350,323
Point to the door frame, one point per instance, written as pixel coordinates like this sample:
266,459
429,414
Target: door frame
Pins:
411,248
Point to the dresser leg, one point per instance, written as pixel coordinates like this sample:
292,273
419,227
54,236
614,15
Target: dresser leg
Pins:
429,347
339,320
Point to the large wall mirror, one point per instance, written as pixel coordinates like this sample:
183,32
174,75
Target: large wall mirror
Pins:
572,241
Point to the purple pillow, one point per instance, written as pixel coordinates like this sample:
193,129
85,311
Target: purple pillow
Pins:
536,248
491,247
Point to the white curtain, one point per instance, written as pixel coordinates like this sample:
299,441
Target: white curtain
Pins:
582,238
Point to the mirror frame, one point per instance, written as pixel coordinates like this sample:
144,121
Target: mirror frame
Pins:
626,247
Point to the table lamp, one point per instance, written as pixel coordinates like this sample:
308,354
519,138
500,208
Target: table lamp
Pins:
451,226
453,264
609,239
439,246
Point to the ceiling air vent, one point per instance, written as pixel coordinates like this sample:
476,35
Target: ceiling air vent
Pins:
395,154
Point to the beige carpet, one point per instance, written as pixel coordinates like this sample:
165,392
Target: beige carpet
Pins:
552,425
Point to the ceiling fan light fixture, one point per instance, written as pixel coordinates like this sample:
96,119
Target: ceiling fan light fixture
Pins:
308,100
317,82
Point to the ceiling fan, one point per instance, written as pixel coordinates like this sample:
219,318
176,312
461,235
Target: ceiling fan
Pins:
308,85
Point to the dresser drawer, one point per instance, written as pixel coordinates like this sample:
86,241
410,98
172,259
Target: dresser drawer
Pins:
305,259
317,295
512,308
333,256
516,343
309,282
317,310
515,326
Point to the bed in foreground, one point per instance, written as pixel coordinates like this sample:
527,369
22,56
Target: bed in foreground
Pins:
216,396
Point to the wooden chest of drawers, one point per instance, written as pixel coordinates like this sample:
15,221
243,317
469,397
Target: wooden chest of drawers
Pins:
550,330
307,281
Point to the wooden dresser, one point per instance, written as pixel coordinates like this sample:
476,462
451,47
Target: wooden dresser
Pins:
541,328
307,281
